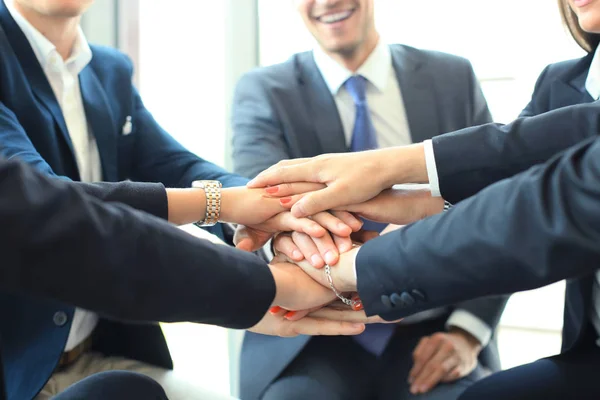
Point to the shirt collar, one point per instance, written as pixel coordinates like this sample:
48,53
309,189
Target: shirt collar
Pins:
44,50
592,83
376,68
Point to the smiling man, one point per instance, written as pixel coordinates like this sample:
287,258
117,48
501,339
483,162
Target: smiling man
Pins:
353,93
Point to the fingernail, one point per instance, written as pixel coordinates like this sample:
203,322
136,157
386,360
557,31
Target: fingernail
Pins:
358,326
285,200
272,189
315,260
275,309
344,247
358,305
330,257
252,181
297,255
413,389
290,314
410,380
422,389
341,225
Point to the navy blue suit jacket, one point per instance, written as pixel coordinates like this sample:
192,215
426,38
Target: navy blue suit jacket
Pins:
33,342
560,85
520,233
127,264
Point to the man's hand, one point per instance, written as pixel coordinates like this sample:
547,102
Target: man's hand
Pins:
443,357
351,178
326,230
276,324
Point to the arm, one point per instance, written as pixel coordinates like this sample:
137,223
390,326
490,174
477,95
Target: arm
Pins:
541,226
493,152
258,139
150,270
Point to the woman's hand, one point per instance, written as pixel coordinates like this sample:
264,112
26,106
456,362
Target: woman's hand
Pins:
351,178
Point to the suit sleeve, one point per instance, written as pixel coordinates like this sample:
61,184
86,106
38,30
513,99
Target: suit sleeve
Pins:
534,229
126,264
258,140
470,159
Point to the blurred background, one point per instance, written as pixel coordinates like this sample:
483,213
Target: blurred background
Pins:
213,43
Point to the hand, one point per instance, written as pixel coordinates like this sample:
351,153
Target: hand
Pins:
351,178
443,357
276,324
298,246
338,311
343,274
340,223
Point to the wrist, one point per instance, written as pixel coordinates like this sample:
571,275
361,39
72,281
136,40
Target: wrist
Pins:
186,206
465,335
405,164
343,273
230,204
281,278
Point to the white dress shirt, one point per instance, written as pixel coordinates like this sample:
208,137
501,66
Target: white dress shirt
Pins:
64,80
388,114
592,85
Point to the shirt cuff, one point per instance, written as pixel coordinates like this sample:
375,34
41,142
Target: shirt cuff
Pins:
475,326
432,175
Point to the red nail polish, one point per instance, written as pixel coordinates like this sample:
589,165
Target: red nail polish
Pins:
285,200
290,314
272,189
358,305
275,309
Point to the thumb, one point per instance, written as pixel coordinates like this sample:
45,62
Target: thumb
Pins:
249,239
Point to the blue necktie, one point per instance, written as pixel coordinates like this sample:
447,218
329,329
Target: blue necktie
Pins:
375,337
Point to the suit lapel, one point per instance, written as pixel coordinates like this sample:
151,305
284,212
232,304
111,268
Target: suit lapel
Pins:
100,120
34,72
569,88
321,107
417,94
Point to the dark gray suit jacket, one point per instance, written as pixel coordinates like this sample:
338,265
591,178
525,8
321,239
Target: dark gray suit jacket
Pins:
287,111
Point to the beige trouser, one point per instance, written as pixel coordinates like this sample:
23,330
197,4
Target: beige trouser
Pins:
91,363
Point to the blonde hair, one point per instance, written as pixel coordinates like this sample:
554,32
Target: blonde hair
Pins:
586,40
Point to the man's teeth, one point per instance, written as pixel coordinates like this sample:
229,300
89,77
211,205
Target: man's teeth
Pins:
331,18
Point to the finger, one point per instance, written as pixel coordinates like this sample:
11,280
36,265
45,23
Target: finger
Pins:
433,370
285,245
315,327
285,221
290,189
332,223
307,246
440,368
347,315
453,375
318,201
424,351
297,315
343,243
349,219
286,171
249,239
289,201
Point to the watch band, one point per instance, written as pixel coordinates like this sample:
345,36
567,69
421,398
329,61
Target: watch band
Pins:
212,190
447,205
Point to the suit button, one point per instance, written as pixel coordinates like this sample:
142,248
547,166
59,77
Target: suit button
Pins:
407,299
419,295
386,301
60,318
397,300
